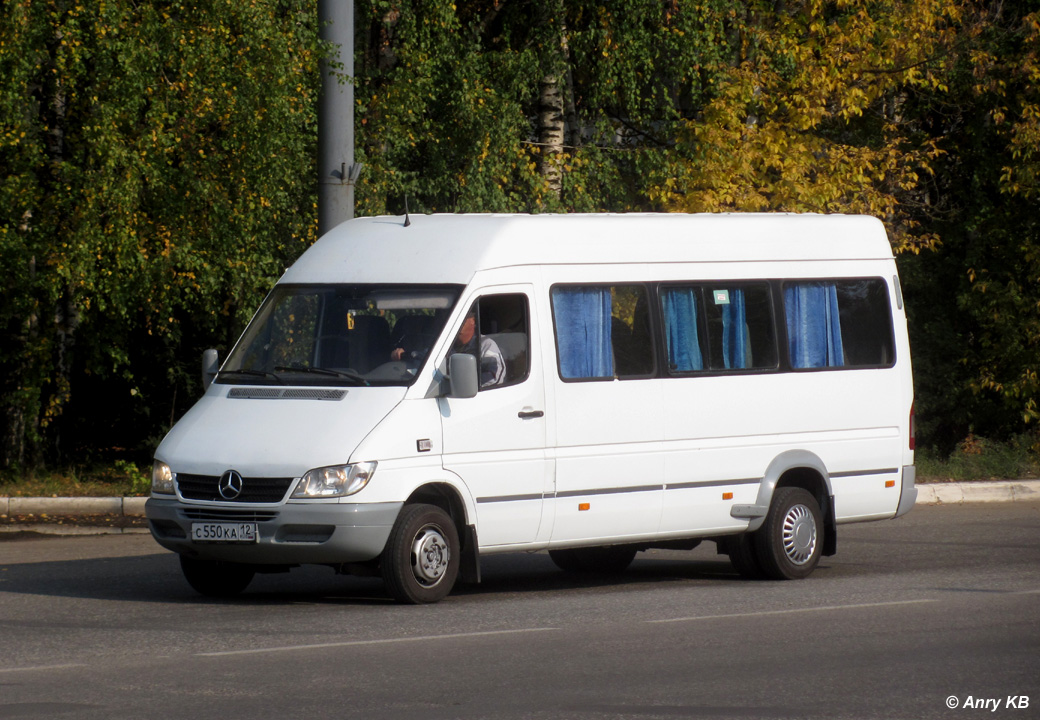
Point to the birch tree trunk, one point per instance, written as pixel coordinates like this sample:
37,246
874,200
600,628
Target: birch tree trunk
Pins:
551,132
552,123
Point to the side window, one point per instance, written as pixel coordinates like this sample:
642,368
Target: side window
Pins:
497,325
602,331
839,323
718,327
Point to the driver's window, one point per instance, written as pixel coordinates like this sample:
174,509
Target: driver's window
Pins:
496,330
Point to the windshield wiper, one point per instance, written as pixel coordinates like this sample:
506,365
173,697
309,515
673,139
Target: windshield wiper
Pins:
252,373
343,374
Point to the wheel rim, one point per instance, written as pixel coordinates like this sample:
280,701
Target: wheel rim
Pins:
430,556
799,534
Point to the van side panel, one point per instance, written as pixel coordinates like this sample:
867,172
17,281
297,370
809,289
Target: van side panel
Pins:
727,430
695,445
609,460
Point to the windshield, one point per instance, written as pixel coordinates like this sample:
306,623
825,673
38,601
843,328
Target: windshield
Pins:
340,335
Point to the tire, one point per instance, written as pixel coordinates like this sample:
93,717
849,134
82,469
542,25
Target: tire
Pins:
742,553
607,559
790,542
421,560
214,578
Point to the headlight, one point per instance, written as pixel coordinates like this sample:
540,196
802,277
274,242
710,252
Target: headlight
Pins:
337,481
162,479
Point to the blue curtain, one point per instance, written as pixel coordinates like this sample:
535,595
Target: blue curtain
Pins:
813,325
680,317
582,318
734,332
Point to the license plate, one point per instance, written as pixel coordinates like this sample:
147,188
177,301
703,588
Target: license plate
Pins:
224,532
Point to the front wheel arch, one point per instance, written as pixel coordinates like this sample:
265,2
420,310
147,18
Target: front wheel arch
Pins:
449,499
420,562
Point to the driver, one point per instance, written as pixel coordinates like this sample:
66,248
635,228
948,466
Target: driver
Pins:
492,364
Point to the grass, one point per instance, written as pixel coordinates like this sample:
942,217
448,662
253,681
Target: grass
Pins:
977,458
119,479
974,458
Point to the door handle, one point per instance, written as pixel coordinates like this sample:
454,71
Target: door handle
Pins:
527,414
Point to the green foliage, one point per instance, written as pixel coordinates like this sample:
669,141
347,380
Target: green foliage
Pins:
448,97
974,303
159,157
119,479
976,458
159,168
808,118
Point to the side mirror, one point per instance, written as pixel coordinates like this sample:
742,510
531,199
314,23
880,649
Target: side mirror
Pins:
464,375
210,365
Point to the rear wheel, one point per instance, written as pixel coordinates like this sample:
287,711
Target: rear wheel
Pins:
605,559
789,543
214,578
421,560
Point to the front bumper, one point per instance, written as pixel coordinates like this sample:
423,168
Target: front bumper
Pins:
288,534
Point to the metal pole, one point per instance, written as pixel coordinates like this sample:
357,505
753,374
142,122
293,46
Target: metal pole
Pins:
336,170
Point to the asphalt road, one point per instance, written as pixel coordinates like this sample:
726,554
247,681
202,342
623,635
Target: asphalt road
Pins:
913,616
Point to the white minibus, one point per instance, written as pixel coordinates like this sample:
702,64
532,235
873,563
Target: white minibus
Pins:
416,393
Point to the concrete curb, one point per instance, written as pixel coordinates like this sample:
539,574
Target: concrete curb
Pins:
37,511
64,530
956,493
126,506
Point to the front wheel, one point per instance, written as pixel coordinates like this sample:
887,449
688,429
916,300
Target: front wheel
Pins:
421,560
214,578
789,543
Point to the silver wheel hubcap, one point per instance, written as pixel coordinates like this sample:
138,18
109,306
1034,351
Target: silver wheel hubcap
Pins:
799,534
430,556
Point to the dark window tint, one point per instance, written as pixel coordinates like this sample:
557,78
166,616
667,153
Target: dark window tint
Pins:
340,334
497,325
602,331
718,327
838,323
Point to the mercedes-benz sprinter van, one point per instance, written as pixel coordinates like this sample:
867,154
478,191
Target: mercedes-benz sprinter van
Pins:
414,395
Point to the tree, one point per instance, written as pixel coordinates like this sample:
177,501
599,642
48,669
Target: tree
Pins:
975,301
528,105
159,160
159,166
809,116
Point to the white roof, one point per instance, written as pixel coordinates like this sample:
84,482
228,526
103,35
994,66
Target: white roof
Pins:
451,248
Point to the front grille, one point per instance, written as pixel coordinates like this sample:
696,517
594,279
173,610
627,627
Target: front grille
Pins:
254,489
217,515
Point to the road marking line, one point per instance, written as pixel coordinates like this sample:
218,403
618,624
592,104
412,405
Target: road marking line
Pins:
1026,592
41,667
793,610
384,641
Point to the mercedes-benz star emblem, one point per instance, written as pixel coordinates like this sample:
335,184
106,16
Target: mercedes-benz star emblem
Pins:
230,485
